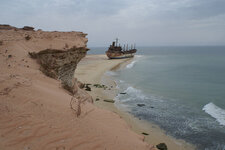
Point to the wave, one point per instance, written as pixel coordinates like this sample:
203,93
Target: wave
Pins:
135,93
216,112
131,64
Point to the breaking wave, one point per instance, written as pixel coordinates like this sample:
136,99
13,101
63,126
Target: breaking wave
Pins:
135,93
131,64
216,112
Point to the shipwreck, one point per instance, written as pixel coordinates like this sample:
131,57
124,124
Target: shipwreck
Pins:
115,51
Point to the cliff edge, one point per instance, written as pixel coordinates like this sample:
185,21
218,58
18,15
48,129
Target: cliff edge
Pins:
36,110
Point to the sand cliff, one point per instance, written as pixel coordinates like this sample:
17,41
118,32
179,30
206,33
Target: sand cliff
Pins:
36,110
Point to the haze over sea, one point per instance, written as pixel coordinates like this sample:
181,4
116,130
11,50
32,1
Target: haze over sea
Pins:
182,88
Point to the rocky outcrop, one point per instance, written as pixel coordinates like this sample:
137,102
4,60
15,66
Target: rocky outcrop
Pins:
28,28
8,27
61,64
58,53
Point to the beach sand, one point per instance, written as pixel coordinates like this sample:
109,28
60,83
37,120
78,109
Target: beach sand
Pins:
91,71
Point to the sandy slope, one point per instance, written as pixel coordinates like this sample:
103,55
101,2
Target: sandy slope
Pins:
35,109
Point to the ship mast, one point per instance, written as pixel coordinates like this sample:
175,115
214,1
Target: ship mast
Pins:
116,41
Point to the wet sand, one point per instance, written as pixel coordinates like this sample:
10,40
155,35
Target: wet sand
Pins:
92,70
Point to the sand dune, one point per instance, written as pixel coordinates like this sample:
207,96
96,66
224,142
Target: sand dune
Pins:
35,110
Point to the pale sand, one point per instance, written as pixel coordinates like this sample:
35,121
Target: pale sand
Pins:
91,70
35,109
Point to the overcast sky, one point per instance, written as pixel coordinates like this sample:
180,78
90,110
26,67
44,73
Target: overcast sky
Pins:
144,22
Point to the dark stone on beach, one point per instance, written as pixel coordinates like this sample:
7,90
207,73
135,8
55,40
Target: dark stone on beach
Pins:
97,99
144,133
123,93
109,100
140,105
100,86
87,88
152,107
161,146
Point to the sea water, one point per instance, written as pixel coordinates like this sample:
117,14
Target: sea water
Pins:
182,90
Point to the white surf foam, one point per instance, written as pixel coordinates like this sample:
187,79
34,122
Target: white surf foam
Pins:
131,64
135,93
216,112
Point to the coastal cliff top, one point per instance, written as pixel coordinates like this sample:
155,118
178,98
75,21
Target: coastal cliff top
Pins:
38,40
37,112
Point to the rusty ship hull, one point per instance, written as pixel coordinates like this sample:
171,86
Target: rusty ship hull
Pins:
112,55
116,52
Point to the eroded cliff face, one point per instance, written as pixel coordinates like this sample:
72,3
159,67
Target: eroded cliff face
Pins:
61,64
58,53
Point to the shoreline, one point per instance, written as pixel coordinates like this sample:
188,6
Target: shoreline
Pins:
156,135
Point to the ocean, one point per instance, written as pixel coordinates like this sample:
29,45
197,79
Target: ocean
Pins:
181,89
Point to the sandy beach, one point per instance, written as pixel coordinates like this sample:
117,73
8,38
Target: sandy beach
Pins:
91,70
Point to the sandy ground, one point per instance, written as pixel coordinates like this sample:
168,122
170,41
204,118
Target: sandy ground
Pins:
91,70
35,110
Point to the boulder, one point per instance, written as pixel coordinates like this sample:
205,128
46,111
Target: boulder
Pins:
140,105
161,146
28,28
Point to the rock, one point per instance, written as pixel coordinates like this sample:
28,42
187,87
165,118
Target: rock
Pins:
109,100
161,146
97,99
87,88
28,28
80,84
144,133
60,64
140,105
9,56
1,43
100,86
123,93
6,27
27,37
